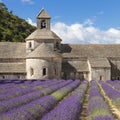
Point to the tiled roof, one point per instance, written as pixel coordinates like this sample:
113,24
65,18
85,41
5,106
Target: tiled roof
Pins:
43,50
91,50
80,66
43,14
43,34
12,50
99,62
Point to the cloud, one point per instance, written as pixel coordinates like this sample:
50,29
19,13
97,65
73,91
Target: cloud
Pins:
28,1
85,32
29,20
88,22
79,33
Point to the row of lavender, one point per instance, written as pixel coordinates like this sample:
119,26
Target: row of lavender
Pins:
112,90
114,84
97,107
30,107
71,107
16,99
27,86
35,100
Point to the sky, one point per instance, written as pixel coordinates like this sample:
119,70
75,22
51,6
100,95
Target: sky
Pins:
75,21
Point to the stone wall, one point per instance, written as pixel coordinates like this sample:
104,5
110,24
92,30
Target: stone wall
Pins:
100,73
12,75
42,69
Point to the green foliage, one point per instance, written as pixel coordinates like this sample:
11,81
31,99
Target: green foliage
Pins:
13,28
99,111
38,87
58,95
34,112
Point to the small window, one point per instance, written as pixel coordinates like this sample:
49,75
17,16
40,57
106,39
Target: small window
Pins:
31,71
43,24
18,76
118,78
44,71
57,45
55,71
3,77
29,45
100,77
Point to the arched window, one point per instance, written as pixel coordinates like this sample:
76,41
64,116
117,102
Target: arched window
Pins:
43,24
44,71
31,71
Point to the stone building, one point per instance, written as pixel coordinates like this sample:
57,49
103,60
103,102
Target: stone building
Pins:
43,56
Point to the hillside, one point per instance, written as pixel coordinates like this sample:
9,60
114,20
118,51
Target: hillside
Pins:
13,28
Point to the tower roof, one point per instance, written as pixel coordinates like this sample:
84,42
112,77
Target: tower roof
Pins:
43,51
43,35
43,14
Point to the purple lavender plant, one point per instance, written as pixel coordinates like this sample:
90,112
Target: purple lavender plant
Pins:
112,93
24,99
37,108
97,108
69,108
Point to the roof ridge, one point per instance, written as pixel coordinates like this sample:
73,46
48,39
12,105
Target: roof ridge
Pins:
43,14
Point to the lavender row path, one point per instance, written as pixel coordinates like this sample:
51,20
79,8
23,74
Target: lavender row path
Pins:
84,112
97,108
69,108
37,108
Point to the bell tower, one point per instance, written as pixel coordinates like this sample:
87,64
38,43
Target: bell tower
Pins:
43,20
43,34
43,58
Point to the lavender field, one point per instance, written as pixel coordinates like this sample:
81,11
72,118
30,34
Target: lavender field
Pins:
59,100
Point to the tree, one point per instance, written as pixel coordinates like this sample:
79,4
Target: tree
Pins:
2,5
13,28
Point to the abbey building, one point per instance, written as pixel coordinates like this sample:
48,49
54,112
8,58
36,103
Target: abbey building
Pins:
43,56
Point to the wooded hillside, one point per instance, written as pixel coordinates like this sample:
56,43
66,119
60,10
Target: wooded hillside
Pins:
13,28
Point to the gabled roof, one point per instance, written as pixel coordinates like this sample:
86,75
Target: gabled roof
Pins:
43,51
99,62
43,14
43,34
91,50
80,66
